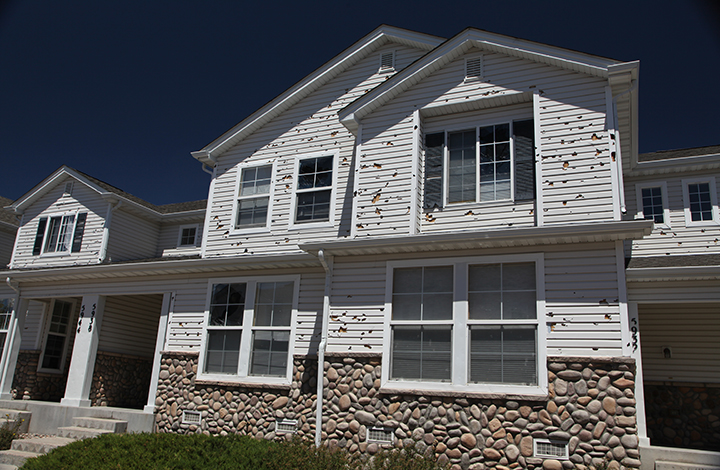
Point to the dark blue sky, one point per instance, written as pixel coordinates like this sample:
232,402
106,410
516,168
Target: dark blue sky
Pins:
125,90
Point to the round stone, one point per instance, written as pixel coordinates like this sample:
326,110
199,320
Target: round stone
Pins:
608,405
468,440
344,403
552,464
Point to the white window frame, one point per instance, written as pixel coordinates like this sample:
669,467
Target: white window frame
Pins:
180,236
664,193
236,206
46,332
243,375
49,217
461,331
333,192
713,200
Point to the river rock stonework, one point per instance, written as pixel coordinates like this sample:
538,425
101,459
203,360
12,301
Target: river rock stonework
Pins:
590,405
120,380
29,384
683,415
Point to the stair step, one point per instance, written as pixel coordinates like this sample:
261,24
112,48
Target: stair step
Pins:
15,415
76,432
40,445
4,466
15,457
667,465
112,425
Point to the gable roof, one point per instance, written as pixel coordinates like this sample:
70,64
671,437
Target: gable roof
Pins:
7,217
455,47
106,191
679,153
338,64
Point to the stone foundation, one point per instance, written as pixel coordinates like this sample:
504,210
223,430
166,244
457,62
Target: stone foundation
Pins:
590,405
29,384
683,415
120,380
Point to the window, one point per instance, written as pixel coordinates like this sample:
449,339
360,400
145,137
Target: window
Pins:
652,203
249,329
701,205
253,202
54,349
60,234
188,235
313,194
486,163
6,309
468,325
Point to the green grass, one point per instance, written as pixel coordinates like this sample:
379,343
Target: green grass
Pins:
199,452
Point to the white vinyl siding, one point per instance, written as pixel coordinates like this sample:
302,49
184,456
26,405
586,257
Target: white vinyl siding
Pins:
7,241
132,237
130,316
33,325
168,240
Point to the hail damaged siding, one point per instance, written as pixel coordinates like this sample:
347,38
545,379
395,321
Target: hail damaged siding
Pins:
83,199
310,127
677,239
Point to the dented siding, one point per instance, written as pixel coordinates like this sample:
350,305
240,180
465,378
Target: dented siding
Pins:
310,127
83,199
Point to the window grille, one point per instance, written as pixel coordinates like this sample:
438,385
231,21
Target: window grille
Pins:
191,417
380,435
286,426
551,449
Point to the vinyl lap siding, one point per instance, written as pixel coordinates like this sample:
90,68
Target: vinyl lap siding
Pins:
131,237
34,320
130,324
168,240
7,240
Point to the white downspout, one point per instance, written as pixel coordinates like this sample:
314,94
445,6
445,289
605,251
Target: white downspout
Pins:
327,265
618,154
106,230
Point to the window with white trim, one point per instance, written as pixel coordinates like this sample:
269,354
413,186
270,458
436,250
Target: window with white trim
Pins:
485,163
473,323
56,338
652,203
188,235
701,203
6,310
249,326
60,233
253,202
314,189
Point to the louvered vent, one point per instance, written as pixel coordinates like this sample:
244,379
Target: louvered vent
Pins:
380,435
191,417
551,449
68,189
387,62
286,426
473,68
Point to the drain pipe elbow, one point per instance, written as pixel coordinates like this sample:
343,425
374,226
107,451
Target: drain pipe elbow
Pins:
207,169
14,285
327,266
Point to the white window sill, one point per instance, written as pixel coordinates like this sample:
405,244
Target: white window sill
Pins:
60,254
250,381
473,391
700,224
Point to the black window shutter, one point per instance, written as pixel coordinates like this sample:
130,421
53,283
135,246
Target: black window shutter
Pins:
523,132
37,248
79,230
434,144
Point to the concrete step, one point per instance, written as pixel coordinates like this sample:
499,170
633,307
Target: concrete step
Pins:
15,415
112,425
39,445
4,466
76,432
15,457
674,458
667,465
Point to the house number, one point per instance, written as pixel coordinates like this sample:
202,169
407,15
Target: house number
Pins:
92,318
634,331
82,315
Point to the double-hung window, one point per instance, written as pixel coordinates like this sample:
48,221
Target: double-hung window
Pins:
56,339
485,163
253,203
249,326
652,203
701,203
313,193
470,324
60,233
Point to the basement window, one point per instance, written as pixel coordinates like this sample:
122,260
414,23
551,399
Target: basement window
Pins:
380,435
550,449
191,417
286,426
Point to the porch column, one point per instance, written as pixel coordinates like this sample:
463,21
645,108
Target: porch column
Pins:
639,385
167,307
12,348
82,363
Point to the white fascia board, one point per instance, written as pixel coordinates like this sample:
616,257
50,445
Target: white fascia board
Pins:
45,185
521,236
310,83
676,165
167,266
674,273
199,213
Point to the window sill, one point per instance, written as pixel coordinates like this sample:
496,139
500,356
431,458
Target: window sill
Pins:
528,394
267,383
55,255
704,223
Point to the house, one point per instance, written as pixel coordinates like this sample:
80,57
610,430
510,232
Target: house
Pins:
439,227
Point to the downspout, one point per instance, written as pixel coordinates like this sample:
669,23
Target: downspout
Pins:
106,230
618,154
207,169
327,265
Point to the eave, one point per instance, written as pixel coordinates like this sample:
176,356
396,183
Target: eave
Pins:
674,273
482,239
675,165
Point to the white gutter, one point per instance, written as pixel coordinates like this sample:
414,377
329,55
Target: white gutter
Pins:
327,265
106,229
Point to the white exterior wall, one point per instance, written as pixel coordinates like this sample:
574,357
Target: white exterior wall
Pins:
677,238
83,199
581,300
309,127
34,322
130,324
132,237
168,240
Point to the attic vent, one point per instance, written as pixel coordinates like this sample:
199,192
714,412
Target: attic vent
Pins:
68,189
473,68
286,426
551,449
191,417
380,435
387,62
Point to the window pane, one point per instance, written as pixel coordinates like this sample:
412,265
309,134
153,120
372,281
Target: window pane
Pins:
700,202
407,280
519,305
503,355
502,291
518,276
54,345
273,303
270,353
484,277
437,306
438,279
407,307
252,212
313,206
652,204
484,306
421,353
461,166
315,172
223,351
227,304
